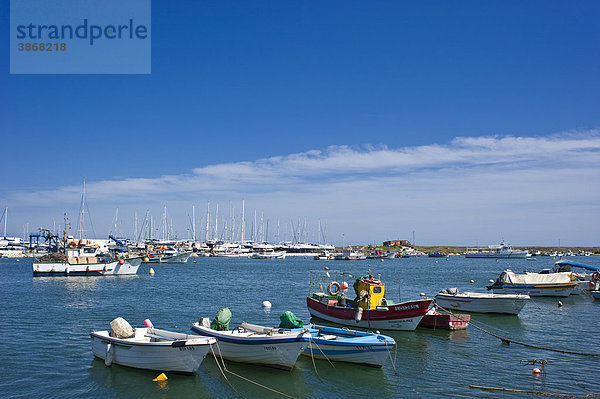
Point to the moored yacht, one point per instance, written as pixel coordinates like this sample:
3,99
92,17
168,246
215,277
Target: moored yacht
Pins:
496,251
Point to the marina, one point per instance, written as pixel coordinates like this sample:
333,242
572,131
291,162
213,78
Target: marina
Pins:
71,307
380,200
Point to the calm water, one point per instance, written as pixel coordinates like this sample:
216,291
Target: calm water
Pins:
45,324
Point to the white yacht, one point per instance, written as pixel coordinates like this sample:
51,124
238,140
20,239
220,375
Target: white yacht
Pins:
496,251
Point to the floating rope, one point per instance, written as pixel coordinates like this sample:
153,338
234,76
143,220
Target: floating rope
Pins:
393,360
533,362
555,394
221,370
244,378
508,341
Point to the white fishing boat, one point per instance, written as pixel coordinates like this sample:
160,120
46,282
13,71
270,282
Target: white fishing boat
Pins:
479,302
167,255
534,284
350,254
152,349
326,255
584,276
496,251
254,344
266,251
350,346
83,258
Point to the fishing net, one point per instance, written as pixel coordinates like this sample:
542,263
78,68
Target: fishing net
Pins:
289,320
221,320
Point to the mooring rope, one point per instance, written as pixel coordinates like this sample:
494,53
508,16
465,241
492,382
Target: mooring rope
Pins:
312,357
243,378
509,341
393,360
221,370
555,394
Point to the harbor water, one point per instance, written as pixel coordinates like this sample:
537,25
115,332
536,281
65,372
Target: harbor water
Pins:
46,321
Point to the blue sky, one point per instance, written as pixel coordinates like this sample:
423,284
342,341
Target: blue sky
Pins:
382,118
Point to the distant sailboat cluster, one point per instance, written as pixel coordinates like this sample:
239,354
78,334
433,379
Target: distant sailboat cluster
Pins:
61,253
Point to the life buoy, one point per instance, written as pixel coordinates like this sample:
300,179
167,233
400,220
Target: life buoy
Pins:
72,245
336,285
596,277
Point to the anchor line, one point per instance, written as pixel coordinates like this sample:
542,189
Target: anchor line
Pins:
509,341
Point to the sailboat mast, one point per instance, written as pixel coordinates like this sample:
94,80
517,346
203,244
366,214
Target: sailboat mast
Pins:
206,238
193,223
82,213
216,236
243,220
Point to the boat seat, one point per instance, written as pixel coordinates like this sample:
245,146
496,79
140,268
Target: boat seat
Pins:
328,336
157,338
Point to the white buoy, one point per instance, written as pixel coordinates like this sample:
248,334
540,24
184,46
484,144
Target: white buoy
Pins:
266,304
151,272
471,281
559,304
422,294
491,281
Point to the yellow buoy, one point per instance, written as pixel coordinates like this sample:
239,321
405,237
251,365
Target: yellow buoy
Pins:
161,377
151,271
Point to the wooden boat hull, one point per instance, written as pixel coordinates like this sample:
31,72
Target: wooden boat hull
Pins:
445,321
65,269
183,357
404,316
273,351
483,303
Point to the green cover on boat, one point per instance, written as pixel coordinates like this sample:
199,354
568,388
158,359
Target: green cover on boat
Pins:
289,320
221,320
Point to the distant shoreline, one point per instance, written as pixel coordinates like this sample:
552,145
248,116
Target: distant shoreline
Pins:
449,249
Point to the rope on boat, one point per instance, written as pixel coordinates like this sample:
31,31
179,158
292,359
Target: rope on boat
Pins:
393,360
221,370
555,394
311,341
508,341
242,377
312,357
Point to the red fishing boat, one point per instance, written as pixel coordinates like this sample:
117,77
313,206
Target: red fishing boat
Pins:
445,321
327,300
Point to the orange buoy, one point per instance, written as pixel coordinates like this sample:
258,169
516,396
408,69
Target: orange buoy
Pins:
326,268
536,371
344,286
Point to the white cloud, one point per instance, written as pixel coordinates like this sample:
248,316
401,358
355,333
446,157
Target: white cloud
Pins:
485,184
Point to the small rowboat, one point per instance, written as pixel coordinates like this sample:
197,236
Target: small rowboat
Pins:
445,321
255,344
152,349
345,345
480,302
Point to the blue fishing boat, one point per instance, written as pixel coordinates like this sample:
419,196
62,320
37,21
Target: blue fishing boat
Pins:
436,254
345,345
